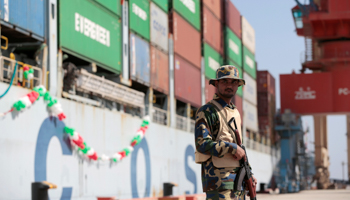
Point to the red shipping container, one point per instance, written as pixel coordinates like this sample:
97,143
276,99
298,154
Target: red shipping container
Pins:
215,6
306,93
159,70
212,31
187,82
266,82
341,90
187,40
263,122
238,101
233,18
263,104
209,91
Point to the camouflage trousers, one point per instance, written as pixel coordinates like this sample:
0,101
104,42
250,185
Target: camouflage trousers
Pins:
225,195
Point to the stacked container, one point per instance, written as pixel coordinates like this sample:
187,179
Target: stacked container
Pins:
213,43
139,23
159,46
250,90
91,30
233,46
266,103
184,24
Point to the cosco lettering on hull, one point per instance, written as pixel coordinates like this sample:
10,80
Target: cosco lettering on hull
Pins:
92,30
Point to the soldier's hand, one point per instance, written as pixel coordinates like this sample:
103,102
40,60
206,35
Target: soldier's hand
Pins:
239,153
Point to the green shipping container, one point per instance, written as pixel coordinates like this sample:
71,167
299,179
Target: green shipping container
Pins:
113,5
233,47
212,60
249,62
190,10
139,17
240,70
87,30
163,4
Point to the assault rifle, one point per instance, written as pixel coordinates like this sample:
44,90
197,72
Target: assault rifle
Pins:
244,174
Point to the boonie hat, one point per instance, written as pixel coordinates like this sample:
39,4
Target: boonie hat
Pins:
227,71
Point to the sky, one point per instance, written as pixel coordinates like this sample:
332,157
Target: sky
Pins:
278,50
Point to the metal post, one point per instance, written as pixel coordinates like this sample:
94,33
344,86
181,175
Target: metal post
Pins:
171,83
52,45
124,78
59,73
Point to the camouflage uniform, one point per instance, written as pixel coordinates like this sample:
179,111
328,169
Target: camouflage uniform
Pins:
217,182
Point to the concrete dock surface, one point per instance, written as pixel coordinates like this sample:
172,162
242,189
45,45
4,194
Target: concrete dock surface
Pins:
338,194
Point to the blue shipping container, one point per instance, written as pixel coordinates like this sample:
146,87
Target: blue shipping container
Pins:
139,60
28,15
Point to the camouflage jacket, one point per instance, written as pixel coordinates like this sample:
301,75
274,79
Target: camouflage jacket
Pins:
206,129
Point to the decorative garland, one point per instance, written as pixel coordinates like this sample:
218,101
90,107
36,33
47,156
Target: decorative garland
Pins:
28,72
55,109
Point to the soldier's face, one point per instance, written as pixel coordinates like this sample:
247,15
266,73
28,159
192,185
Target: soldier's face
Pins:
227,88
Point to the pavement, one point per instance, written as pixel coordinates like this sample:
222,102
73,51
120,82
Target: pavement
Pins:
338,194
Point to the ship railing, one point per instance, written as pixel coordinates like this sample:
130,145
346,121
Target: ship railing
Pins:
160,116
192,125
113,91
181,122
7,67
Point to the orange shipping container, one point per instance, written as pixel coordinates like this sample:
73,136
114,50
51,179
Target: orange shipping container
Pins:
209,91
187,82
212,31
233,18
215,7
159,70
187,40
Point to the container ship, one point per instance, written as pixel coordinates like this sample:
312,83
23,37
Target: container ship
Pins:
77,79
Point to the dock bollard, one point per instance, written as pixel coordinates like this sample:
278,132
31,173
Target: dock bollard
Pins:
40,190
168,189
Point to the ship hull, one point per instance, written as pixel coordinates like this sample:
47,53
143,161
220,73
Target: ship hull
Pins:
34,148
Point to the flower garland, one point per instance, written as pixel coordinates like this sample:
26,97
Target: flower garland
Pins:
77,140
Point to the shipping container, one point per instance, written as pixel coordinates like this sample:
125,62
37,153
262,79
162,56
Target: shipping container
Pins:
215,7
139,17
341,90
163,4
240,70
212,31
306,94
187,40
209,91
233,18
159,27
112,5
238,101
159,70
212,61
250,90
266,82
139,60
248,35
266,104
89,32
249,64
27,15
233,47
250,116
187,82
189,10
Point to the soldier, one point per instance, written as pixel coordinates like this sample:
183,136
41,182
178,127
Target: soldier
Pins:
216,148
